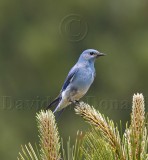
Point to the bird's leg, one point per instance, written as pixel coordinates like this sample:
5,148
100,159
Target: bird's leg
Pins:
76,102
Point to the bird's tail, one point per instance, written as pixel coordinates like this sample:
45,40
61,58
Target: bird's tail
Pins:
55,102
58,114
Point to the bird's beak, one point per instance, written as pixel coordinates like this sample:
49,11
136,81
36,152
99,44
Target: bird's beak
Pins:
100,54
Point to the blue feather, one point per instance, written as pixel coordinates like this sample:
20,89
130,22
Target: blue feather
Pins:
69,78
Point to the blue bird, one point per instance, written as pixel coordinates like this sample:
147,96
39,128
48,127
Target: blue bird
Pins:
78,81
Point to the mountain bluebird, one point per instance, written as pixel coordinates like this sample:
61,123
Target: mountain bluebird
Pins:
78,81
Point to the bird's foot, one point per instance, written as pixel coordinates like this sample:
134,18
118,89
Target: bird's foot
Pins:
76,102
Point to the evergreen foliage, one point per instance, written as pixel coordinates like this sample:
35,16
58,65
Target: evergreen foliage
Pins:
102,142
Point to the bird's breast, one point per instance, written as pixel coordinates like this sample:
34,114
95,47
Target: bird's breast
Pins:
79,85
84,78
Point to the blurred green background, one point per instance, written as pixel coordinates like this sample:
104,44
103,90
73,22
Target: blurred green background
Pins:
36,54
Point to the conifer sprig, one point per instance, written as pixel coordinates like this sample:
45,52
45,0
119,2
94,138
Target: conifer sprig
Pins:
48,135
106,127
136,136
48,140
102,142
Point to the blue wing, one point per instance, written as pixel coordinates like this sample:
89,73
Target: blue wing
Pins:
69,78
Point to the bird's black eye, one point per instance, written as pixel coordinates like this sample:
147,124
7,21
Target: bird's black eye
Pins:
91,53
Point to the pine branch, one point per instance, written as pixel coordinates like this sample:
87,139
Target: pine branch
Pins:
108,130
102,143
136,135
49,137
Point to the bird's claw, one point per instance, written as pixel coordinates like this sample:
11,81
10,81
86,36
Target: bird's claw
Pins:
76,102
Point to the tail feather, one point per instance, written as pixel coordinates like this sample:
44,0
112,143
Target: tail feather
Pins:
58,114
54,103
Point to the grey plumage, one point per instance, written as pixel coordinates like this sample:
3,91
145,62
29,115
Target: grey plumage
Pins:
78,81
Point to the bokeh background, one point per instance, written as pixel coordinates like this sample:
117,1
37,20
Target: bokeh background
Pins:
41,40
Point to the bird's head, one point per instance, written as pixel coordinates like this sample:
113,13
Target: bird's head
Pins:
90,55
